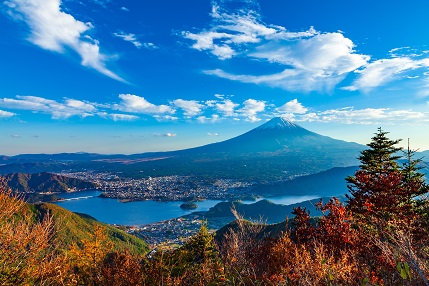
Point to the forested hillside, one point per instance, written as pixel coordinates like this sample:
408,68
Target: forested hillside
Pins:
45,182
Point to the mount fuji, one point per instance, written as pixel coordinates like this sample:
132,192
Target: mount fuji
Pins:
276,150
280,136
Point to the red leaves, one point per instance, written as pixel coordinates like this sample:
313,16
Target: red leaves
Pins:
334,227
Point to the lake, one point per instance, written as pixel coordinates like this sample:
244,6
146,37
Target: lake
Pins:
112,211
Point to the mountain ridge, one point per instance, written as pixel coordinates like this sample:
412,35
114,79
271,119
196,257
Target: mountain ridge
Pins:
44,182
271,126
276,150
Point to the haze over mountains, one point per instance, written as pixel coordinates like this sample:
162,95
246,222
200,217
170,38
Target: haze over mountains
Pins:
276,150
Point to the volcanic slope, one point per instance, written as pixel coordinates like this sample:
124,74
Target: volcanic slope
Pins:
276,150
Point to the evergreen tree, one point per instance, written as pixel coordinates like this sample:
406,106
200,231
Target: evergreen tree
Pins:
413,179
380,158
379,173
382,189
415,194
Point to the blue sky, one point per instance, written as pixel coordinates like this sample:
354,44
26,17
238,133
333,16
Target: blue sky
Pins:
134,76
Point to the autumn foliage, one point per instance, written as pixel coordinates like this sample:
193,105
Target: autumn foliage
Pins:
378,237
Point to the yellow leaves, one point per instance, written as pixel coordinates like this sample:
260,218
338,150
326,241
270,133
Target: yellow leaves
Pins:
25,245
88,258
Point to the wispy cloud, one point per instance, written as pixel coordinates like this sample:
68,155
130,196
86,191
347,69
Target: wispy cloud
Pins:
132,38
312,60
55,30
57,110
150,46
102,2
62,110
350,115
212,119
164,118
381,72
229,33
80,105
6,114
118,117
129,38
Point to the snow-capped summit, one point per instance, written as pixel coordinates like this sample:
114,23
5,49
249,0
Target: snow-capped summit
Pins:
279,123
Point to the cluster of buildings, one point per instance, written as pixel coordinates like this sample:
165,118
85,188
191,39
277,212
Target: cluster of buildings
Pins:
166,188
175,232
171,232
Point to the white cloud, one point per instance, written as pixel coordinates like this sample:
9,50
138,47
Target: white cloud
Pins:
292,106
220,96
310,117
54,30
170,134
162,118
212,134
229,33
380,72
6,114
203,119
118,117
150,46
322,54
62,110
212,112
129,38
56,109
101,2
205,41
251,108
227,108
349,115
125,9
137,104
80,105
190,107
312,60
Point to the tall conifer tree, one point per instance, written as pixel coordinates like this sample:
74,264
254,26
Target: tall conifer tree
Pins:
382,189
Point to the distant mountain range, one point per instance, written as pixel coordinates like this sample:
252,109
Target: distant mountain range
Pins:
276,150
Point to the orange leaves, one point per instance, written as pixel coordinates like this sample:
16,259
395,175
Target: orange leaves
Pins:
368,206
26,252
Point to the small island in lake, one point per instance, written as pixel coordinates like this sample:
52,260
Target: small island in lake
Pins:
189,206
